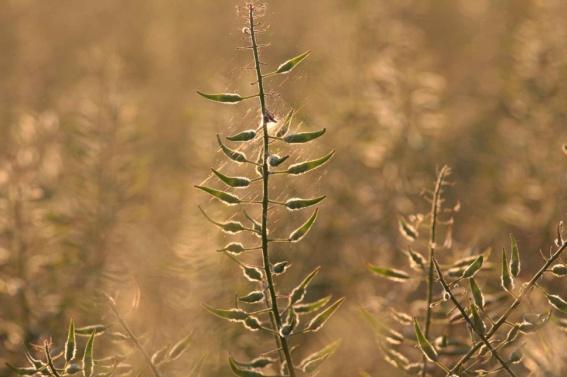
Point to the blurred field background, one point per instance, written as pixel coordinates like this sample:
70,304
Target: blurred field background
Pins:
102,138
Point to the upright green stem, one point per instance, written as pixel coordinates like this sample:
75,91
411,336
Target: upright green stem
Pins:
266,199
511,308
432,231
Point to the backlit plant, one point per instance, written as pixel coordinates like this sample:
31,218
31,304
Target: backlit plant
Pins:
266,309
462,329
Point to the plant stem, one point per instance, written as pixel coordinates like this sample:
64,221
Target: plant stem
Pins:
134,339
512,307
432,232
468,320
266,200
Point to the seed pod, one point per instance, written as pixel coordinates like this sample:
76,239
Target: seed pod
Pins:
255,224
180,347
72,368
473,268
88,363
289,325
416,260
88,330
303,137
413,368
311,307
312,362
478,297
516,357
231,227
477,321
159,356
70,344
319,321
223,196
233,155
243,136
252,323
240,372
280,267
505,278
515,258
252,273
290,64
298,234
297,203
286,124
424,344
559,270
298,292
395,338
557,302
22,371
275,160
407,230
252,297
228,98
389,273
234,248
512,334
232,315
258,363
236,182
304,167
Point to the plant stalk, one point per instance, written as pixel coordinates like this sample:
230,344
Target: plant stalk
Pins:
432,237
266,199
511,308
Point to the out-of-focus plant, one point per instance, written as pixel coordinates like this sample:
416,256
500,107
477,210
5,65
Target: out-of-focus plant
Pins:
468,321
283,313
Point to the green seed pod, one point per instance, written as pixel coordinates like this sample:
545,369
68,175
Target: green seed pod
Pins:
252,297
321,319
298,234
72,368
233,155
70,344
473,268
407,230
288,327
275,160
298,203
252,323
424,344
243,136
559,270
228,98
303,137
88,330
180,347
231,227
557,302
416,260
234,248
389,273
280,267
512,334
478,297
505,278
22,371
241,372
88,363
304,167
298,292
477,321
223,196
311,307
515,258
527,327
516,357
290,64
252,273
262,362
236,182
286,124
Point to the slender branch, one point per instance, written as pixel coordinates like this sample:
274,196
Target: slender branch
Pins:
282,341
432,233
512,307
468,320
134,339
